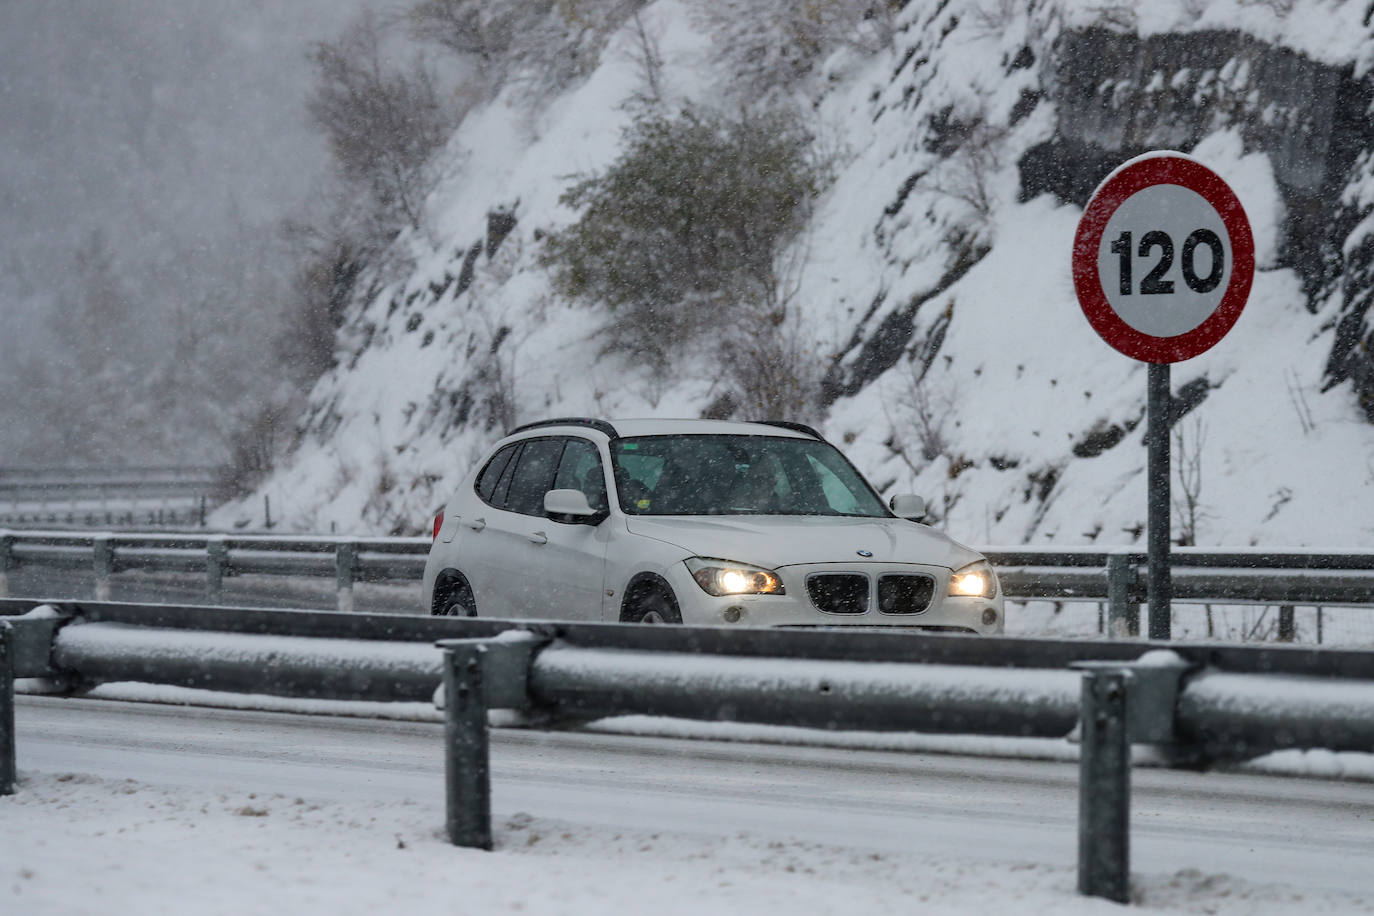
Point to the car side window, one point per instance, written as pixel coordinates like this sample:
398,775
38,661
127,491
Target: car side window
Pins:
498,496
533,477
580,469
491,474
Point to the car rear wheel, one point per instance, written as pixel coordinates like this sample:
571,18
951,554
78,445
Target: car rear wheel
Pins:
652,604
453,598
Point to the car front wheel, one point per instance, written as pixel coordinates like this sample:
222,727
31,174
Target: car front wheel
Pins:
652,604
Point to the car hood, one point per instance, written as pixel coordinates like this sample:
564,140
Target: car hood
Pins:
778,540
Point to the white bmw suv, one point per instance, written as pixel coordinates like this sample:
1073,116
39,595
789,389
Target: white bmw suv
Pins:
695,521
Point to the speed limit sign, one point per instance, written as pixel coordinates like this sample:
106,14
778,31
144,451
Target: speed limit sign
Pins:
1162,263
1163,258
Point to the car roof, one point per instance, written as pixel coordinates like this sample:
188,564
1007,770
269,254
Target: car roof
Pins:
669,426
660,427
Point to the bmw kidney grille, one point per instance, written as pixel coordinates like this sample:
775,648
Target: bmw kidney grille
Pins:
839,593
905,594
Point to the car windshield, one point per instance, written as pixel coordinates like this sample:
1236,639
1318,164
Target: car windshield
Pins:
738,475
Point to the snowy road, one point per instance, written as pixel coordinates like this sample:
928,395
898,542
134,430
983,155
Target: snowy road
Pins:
1306,836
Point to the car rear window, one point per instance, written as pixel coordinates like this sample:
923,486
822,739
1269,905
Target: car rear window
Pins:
491,474
498,496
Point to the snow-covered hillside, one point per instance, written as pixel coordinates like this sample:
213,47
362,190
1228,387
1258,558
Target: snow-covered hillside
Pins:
932,283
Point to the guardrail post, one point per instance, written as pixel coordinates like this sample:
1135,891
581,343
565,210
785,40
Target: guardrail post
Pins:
1288,630
467,779
1104,787
1123,615
216,558
8,770
345,559
6,563
104,566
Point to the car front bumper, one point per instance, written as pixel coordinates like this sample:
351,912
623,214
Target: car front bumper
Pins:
984,616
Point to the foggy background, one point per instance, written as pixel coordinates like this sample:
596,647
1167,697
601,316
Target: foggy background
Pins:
151,150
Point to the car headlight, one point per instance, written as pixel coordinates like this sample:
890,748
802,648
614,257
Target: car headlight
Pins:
977,580
726,577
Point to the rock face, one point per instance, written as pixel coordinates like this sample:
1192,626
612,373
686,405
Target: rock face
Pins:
932,282
1119,94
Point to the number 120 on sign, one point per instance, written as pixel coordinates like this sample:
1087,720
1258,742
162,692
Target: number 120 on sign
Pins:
1156,282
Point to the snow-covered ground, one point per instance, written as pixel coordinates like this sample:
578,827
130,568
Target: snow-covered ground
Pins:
92,845
162,810
95,845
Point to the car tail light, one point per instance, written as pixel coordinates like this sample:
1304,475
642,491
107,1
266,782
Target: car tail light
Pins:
438,523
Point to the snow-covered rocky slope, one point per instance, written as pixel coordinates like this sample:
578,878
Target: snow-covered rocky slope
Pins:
934,278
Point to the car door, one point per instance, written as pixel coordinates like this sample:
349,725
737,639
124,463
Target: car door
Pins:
460,545
574,557
497,546
501,542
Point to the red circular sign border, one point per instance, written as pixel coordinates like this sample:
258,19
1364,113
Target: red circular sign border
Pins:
1131,178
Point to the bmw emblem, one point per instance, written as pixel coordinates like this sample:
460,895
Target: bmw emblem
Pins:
865,553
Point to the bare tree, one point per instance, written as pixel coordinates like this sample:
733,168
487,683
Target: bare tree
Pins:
1299,401
1280,8
972,148
1118,16
492,358
925,410
261,437
383,123
542,43
774,369
649,58
771,45
922,412
990,17
469,28
1188,448
321,289
1187,499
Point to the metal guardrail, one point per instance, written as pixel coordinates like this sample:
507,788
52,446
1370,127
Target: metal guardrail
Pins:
109,496
1112,577
126,517
48,473
1195,701
1116,578
217,556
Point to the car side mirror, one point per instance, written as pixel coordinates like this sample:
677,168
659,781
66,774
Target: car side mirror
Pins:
570,507
909,506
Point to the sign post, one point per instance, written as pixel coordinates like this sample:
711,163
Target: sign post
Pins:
1163,260
1159,583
